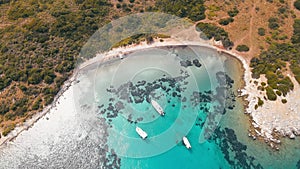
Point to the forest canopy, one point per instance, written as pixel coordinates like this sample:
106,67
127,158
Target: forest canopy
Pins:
193,9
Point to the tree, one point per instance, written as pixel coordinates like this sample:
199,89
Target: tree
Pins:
3,108
226,21
35,78
273,23
233,13
193,9
271,94
260,102
284,101
297,4
4,1
209,31
261,31
296,35
242,48
48,79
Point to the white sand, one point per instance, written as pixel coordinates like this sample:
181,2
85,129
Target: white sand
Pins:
30,122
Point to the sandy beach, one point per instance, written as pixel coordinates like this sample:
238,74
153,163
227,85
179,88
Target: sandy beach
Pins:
30,122
271,119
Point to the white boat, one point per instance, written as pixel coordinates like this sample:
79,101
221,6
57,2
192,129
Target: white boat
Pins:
157,107
186,143
141,132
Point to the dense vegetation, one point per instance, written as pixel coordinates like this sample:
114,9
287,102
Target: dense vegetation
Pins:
211,31
226,21
41,43
42,40
273,62
193,9
271,94
296,36
37,56
232,13
135,39
297,4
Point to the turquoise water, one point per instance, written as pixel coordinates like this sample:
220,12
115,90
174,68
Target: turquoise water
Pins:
164,148
93,123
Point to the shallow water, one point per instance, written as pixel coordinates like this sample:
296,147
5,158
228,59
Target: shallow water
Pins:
93,126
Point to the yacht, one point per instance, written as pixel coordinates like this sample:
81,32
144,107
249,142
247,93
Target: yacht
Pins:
157,107
186,143
141,132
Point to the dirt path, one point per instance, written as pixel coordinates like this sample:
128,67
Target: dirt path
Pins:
249,34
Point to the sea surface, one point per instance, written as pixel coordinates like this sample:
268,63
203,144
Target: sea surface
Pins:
93,123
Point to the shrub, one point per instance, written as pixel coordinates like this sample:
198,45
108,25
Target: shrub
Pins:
48,79
283,89
233,13
272,79
273,23
297,4
282,10
35,79
278,93
149,39
4,82
226,21
4,1
260,102
49,99
20,10
261,31
3,108
8,129
261,88
193,9
284,101
296,35
271,94
242,48
209,31
21,111
36,104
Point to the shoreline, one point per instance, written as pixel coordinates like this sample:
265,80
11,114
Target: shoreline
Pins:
246,92
111,55
36,117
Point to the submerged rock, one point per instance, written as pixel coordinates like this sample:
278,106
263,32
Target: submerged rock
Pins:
233,150
197,63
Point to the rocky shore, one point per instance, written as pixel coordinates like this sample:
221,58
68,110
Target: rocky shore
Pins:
273,119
